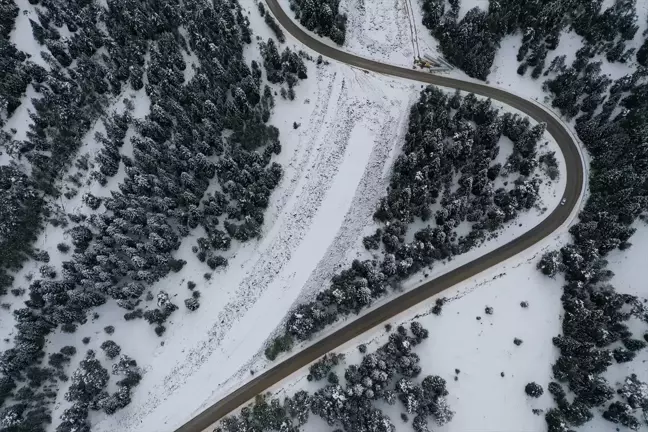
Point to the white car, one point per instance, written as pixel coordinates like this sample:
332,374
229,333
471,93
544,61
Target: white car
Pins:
564,200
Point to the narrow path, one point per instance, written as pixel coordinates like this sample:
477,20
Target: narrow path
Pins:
561,214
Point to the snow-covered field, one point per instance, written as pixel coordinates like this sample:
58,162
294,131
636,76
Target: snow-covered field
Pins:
504,69
480,348
483,348
389,31
336,166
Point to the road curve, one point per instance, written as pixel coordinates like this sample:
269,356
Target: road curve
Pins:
575,176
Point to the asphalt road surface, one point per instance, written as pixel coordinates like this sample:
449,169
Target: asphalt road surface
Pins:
574,168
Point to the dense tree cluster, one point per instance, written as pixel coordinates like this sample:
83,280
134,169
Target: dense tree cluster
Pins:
87,391
386,375
448,137
612,121
212,128
21,208
472,42
321,368
286,68
322,17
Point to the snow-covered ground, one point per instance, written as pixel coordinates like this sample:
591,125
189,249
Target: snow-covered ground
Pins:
336,166
629,278
504,69
22,37
333,240
389,31
466,5
480,348
335,163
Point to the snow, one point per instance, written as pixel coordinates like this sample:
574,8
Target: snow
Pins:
336,168
22,36
20,119
190,58
466,5
347,131
629,278
386,30
480,349
504,69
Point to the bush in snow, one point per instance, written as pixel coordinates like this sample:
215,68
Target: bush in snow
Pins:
621,413
111,349
68,350
323,366
68,328
42,256
622,355
533,390
92,201
88,381
191,303
550,263
418,331
47,271
635,392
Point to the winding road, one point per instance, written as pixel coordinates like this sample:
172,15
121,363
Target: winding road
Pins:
573,189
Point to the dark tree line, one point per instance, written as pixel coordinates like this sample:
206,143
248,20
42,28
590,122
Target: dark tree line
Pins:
349,403
472,42
286,68
612,122
269,19
88,392
441,143
179,148
322,17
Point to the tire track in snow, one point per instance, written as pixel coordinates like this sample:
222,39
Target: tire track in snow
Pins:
315,173
369,190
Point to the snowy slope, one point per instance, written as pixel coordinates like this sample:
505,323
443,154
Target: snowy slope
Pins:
389,31
335,166
480,348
